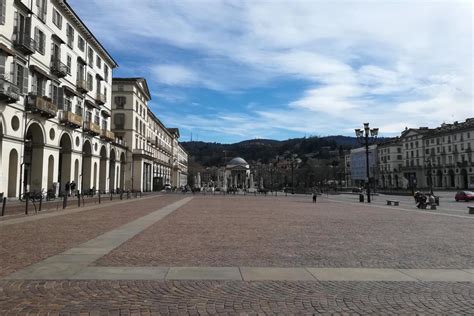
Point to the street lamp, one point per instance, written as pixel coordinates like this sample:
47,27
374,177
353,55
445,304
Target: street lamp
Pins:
364,137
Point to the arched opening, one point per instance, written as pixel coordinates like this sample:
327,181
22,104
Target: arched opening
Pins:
396,181
34,150
86,166
464,179
451,182
12,173
103,170
390,181
50,172
112,184
383,182
65,164
439,179
122,171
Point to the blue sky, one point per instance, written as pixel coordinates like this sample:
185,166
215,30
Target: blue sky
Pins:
227,71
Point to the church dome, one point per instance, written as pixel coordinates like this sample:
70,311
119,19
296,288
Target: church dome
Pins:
237,161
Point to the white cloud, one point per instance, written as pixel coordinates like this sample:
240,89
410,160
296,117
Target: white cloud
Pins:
387,62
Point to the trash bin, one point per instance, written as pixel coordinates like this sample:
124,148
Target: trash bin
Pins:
437,200
361,197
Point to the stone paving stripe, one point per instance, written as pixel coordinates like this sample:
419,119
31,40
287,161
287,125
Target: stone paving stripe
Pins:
402,209
448,275
469,270
72,261
121,273
358,274
66,211
275,274
204,273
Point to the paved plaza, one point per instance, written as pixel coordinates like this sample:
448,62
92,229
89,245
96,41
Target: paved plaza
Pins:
195,254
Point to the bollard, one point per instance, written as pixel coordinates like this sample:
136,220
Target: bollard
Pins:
40,205
136,194
65,201
78,199
111,198
3,205
26,203
128,195
99,197
83,202
121,195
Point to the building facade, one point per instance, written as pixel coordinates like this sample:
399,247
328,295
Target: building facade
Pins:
358,164
55,109
421,158
155,157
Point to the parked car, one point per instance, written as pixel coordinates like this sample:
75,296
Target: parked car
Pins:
464,196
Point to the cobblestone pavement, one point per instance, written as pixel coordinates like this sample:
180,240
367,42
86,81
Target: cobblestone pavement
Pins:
25,243
288,232
233,297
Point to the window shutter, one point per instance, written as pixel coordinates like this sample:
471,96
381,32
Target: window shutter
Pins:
12,72
25,80
43,87
28,28
34,84
61,98
3,10
15,27
37,40
3,59
45,8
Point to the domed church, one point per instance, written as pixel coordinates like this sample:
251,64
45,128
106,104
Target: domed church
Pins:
236,175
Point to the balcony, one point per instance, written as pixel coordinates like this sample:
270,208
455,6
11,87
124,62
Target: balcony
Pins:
143,152
8,90
42,106
82,86
100,98
70,119
107,135
25,44
59,69
92,128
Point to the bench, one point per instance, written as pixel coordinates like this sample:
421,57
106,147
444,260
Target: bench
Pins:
396,203
471,209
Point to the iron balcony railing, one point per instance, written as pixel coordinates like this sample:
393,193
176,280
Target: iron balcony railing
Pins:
8,89
59,69
42,105
25,44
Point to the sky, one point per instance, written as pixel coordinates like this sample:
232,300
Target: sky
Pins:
227,71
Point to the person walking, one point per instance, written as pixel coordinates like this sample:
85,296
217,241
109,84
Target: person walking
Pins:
73,187
68,187
314,197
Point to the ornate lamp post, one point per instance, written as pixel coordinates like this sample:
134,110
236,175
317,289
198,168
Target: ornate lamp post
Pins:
365,137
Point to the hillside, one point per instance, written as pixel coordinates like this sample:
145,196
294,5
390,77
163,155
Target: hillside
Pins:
263,150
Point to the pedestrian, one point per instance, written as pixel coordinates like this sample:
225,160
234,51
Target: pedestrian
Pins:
68,186
73,187
314,197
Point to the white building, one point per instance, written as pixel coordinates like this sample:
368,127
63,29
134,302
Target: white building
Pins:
154,155
55,92
358,164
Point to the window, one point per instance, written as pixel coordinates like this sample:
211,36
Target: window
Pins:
98,62
67,103
21,73
106,73
55,95
120,101
69,64
119,120
38,84
90,55
90,82
57,18
81,44
42,6
3,9
70,35
40,40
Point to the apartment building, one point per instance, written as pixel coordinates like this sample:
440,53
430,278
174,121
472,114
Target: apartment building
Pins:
180,161
154,149
425,157
55,102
